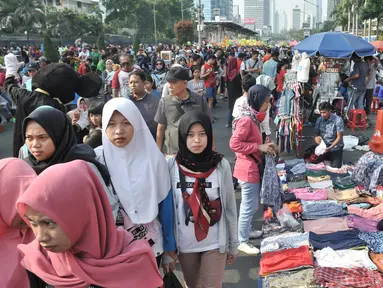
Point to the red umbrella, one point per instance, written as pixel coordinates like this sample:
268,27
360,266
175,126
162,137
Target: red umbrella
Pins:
378,44
293,43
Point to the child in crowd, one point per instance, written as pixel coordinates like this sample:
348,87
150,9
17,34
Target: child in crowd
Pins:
197,85
94,139
95,115
241,102
281,70
150,87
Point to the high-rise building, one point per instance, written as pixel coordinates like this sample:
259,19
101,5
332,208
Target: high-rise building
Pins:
276,26
330,7
211,7
273,15
266,13
282,21
319,11
296,19
254,9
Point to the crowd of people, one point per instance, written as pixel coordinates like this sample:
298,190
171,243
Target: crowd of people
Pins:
117,172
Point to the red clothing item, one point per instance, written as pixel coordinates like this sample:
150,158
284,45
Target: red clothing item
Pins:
83,69
245,140
210,79
239,63
2,79
266,58
345,277
280,77
277,261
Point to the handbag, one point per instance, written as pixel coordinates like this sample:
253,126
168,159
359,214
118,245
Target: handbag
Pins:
171,281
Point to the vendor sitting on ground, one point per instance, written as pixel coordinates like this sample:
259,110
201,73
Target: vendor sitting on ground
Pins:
329,128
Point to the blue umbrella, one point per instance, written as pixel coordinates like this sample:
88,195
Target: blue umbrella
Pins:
335,45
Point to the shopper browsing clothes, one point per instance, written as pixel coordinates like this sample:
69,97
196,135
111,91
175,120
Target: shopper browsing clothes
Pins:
329,128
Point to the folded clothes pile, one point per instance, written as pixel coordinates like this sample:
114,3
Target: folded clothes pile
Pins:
285,260
322,209
336,245
362,224
328,257
374,241
309,193
326,225
293,279
346,277
338,240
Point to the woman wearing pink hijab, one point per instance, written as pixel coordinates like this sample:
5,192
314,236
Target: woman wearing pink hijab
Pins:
15,177
77,243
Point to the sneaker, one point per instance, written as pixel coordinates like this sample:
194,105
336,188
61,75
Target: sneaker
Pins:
255,234
248,248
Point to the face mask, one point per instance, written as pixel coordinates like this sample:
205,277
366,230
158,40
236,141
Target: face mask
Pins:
260,116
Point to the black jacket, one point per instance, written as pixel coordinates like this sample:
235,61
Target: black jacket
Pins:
26,102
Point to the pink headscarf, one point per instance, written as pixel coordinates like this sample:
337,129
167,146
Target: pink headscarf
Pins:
15,177
72,195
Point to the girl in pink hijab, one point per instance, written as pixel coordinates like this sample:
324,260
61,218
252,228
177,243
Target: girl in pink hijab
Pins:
77,243
15,177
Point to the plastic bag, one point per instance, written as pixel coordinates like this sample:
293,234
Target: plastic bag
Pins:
171,281
285,217
350,142
321,148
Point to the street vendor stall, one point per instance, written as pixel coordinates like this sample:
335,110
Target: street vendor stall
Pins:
336,47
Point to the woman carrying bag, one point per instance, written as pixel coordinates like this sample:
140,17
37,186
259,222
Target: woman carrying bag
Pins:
248,146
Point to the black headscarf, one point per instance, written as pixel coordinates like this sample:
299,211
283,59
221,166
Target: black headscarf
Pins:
60,130
160,71
257,95
204,161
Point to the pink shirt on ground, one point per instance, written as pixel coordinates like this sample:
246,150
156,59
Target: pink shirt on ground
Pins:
245,140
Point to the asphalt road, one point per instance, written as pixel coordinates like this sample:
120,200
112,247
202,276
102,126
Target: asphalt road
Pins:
244,273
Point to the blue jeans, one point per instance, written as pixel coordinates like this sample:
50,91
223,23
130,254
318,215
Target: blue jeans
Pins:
357,99
249,205
211,92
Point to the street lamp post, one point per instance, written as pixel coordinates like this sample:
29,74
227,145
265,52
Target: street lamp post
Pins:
155,22
199,22
182,10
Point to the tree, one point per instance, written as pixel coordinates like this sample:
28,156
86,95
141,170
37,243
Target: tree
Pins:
20,16
184,31
50,50
101,41
67,22
373,9
139,15
327,26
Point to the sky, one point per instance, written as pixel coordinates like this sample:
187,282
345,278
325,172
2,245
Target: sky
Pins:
287,6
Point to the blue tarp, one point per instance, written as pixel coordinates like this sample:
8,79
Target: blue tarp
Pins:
335,45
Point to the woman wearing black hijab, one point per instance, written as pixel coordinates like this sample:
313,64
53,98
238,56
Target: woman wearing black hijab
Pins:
50,139
248,146
206,234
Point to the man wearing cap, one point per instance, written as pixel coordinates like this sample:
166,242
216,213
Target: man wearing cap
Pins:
172,107
31,68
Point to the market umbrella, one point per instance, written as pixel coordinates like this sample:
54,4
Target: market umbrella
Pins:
294,43
378,44
335,45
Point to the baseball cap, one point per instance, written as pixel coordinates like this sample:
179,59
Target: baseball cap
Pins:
43,59
177,73
32,66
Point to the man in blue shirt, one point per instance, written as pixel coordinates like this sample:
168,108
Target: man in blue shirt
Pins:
270,66
329,128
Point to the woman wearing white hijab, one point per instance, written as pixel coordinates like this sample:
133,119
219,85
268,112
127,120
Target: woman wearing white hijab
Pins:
139,175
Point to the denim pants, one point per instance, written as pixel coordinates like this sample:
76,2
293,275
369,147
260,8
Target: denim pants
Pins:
249,205
357,99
